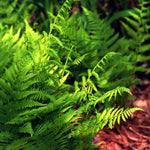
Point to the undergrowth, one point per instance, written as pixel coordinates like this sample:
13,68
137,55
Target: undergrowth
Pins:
58,89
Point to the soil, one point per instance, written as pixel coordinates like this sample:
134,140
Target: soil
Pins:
135,133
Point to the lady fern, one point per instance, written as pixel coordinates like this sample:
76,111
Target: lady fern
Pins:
38,109
136,28
29,94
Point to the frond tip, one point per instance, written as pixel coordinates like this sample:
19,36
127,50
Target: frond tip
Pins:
112,93
113,115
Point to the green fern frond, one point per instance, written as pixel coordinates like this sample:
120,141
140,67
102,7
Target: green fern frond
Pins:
32,114
78,60
26,128
62,14
104,60
20,105
112,115
112,93
5,138
129,30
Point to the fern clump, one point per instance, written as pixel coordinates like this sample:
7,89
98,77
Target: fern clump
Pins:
38,108
30,88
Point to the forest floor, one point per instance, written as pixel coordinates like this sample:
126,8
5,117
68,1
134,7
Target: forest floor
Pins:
135,133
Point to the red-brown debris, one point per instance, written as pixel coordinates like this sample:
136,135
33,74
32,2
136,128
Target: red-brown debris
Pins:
133,134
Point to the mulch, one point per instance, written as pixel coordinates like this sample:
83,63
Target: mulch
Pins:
133,134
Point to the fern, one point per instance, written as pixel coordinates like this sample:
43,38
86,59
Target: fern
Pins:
113,115
62,15
14,13
28,89
38,107
137,29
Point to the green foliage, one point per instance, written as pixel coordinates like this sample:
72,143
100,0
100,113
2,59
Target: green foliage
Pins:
28,91
136,28
38,13
38,109
14,13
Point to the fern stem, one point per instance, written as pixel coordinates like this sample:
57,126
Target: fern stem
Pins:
65,66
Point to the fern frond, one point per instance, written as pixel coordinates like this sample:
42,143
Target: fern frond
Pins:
104,60
112,93
23,105
26,128
78,60
113,115
61,14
